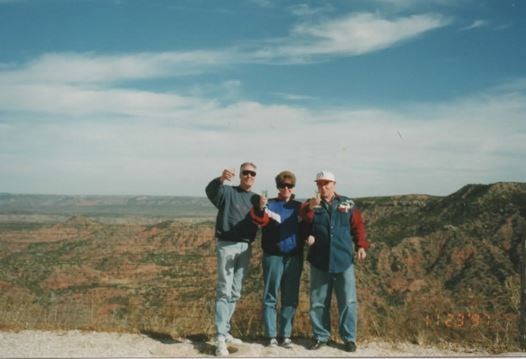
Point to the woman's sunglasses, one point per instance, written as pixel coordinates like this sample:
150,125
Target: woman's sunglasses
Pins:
283,185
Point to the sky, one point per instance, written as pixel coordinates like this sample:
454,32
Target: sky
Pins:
157,97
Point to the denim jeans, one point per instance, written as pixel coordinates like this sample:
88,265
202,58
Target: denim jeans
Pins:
321,286
280,273
233,259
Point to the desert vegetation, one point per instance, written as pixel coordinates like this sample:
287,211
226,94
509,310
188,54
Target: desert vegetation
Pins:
441,271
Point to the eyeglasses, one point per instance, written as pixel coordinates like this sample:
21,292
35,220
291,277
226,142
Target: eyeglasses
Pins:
247,173
283,185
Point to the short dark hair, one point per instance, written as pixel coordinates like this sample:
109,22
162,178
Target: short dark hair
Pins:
285,175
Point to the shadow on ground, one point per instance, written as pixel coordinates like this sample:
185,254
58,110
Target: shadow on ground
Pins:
160,337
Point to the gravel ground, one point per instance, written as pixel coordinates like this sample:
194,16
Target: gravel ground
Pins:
77,344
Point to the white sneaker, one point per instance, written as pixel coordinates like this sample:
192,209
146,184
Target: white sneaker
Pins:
221,349
287,343
231,340
273,342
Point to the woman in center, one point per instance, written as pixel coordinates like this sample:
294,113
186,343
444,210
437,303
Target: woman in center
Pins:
282,243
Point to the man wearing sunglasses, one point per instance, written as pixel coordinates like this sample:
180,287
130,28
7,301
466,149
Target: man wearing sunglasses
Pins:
337,233
235,232
282,257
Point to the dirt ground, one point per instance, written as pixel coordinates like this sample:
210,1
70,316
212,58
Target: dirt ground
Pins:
77,344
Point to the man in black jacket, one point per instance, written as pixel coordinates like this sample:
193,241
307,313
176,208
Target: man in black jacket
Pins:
235,233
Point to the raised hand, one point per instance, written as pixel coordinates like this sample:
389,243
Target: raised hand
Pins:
263,200
227,175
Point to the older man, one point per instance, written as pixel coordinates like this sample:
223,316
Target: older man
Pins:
235,233
337,232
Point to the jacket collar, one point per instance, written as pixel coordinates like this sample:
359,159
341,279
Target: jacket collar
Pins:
335,197
280,198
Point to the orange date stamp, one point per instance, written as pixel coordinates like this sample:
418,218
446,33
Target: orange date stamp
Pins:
458,320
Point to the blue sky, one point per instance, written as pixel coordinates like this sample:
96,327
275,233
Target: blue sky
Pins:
157,97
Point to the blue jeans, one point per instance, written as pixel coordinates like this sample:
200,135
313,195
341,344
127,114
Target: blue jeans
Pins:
280,273
321,286
233,259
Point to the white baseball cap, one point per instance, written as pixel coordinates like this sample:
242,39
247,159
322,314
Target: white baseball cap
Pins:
325,176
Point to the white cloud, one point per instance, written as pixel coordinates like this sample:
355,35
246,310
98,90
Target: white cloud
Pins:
78,101
93,68
295,97
475,24
403,4
155,148
352,35
419,4
68,124
355,34
512,86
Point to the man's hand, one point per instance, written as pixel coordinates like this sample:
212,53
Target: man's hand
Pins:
262,202
361,254
314,202
310,240
227,175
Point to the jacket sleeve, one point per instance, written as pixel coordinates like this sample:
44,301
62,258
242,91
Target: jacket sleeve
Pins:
306,214
358,230
259,217
215,192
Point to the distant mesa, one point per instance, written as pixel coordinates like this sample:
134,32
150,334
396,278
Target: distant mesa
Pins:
481,190
80,222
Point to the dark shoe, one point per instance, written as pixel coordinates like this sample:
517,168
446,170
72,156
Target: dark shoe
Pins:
350,346
317,345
